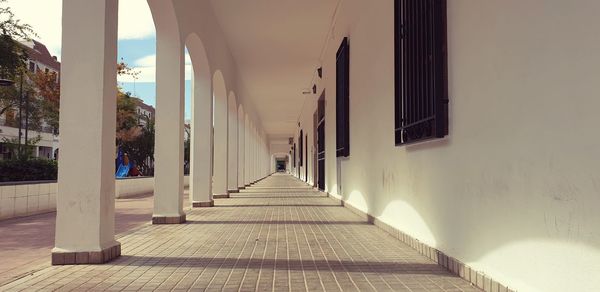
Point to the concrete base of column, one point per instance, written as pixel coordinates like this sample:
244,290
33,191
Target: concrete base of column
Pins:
87,257
168,220
220,196
203,204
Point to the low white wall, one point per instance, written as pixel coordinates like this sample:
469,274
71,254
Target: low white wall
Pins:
26,199
129,187
19,200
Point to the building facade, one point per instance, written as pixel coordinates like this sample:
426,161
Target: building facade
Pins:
39,60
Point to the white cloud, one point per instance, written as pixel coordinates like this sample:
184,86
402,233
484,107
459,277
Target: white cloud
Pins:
148,61
147,68
45,16
135,20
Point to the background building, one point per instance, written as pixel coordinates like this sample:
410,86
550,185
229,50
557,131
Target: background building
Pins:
39,59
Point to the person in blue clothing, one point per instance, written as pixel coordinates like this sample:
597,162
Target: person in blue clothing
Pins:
123,168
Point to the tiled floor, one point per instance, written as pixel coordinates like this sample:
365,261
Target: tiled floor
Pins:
276,236
25,243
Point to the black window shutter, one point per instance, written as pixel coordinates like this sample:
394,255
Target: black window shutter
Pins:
342,100
421,98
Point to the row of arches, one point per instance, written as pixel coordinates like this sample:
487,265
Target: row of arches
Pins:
228,147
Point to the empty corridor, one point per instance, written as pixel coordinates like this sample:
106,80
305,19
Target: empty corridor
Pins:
277,235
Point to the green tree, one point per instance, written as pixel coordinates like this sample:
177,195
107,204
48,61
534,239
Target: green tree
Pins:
135,140
141,149
128,128
20,152
48,97
13,56
186,148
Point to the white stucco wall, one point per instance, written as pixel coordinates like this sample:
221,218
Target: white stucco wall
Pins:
513,190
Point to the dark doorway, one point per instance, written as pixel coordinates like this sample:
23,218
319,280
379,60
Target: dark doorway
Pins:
280,165
320,125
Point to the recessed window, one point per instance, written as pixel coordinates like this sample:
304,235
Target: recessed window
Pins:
421,98
342,100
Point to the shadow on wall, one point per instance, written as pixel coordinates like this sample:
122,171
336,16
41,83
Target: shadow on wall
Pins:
497,243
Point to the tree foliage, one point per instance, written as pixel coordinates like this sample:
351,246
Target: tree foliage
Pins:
20,152
128,128
28,170
141,149
133,138
13,56
48,93
11,29
186,149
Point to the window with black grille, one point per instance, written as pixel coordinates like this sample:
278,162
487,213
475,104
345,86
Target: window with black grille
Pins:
421,99
342,100
294,155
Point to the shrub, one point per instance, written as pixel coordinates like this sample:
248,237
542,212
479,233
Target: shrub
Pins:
28,170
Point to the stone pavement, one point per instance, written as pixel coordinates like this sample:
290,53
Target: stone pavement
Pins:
279,235
25,243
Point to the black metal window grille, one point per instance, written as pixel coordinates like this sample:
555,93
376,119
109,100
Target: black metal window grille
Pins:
342,100
294,155
321,143
306,158
421,98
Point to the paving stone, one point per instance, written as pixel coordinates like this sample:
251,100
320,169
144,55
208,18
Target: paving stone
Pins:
276,235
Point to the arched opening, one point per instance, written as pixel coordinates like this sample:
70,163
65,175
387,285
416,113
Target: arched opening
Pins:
241,146
220,110
232,143
201,125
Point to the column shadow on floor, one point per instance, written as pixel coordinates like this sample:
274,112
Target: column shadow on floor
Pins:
282,264
276,197
300,222
279,205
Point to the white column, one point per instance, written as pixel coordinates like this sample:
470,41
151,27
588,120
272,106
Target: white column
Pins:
201,143
253,153
247,155
168,148
257,156
241,149
85,217
232,146
220,147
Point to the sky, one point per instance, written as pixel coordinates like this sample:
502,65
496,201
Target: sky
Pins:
137,41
